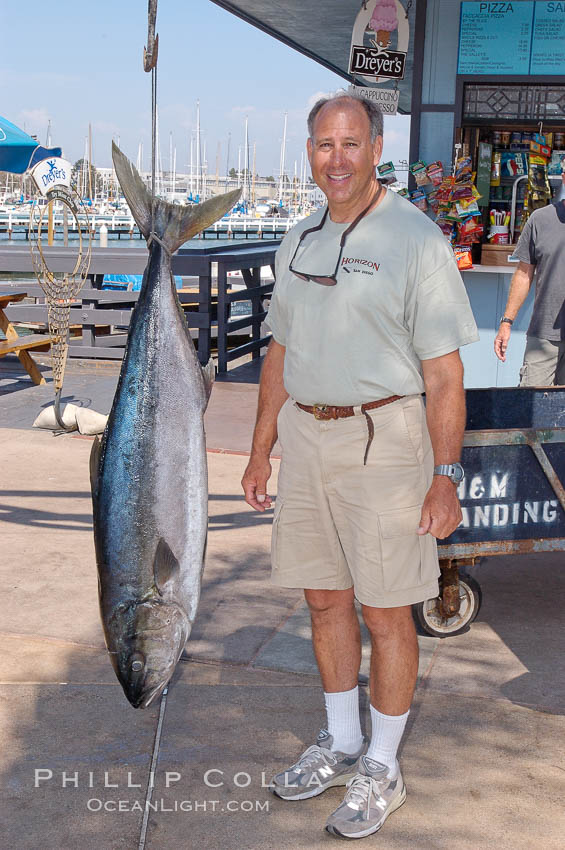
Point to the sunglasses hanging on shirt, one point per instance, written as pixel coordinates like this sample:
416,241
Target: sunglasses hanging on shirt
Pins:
330,279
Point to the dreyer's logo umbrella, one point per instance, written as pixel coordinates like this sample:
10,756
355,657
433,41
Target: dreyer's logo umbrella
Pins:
18,151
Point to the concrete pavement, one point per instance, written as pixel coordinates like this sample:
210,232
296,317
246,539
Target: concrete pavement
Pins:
483,755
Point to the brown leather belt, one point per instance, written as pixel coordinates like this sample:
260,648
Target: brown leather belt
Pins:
329,411
325,412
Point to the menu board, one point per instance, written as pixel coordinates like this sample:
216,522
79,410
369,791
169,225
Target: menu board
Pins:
548,42
517,37
495,38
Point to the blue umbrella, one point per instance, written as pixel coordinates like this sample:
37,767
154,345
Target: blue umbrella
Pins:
18,151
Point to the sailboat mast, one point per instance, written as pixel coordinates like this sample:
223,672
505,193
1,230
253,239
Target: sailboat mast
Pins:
170,156
228,160
198,175
283,157
90,161
246,161
253,173
191,164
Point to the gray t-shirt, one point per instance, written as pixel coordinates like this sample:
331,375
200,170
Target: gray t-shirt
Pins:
399,299
542,244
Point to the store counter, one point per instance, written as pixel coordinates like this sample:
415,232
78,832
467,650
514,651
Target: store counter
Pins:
487,287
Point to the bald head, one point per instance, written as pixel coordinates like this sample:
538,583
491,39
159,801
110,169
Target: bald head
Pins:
373,114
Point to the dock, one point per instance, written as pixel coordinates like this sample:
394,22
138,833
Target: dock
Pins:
483,753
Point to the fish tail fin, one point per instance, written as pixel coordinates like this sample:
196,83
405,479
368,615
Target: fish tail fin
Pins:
209,374
173,224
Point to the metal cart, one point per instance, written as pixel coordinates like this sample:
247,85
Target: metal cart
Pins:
512,497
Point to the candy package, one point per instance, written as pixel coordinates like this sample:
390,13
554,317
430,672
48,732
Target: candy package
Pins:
433,201
435,172
387,174
419,199
444,189
463,170
537,177
463,257
467,207
469,231
418,170
446,228
461,192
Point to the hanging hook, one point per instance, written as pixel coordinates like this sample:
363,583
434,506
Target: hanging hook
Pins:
150,52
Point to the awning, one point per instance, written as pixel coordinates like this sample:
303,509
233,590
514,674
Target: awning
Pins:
18,151
323,32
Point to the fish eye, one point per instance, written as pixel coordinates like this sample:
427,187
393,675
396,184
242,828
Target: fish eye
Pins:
136,666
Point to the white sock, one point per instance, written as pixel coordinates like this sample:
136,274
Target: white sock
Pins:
344,725
386,732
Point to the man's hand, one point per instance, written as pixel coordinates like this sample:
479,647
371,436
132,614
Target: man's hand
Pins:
441,511
501,341
254,483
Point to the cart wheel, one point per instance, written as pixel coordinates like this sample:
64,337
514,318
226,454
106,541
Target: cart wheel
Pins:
428,617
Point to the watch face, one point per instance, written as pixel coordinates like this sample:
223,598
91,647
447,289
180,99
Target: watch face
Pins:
458,473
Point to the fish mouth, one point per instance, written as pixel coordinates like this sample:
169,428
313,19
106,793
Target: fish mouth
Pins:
145,698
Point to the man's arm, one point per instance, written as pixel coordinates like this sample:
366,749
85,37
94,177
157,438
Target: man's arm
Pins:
272,396
445,413
519,288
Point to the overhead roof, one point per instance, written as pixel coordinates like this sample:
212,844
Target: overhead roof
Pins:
322,32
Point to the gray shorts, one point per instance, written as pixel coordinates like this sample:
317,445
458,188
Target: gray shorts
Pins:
339,523
544,363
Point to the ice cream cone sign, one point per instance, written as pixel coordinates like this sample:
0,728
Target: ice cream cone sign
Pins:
383,22
379,41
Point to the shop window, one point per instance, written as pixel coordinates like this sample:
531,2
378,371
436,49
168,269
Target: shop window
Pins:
513,102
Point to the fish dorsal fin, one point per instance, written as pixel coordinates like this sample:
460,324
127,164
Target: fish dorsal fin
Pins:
174,224
209,374
95,453
166,569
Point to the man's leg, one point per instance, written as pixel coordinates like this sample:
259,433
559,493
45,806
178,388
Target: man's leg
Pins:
378,789
394,657
336,639
560,369
334,758
540,363
394,669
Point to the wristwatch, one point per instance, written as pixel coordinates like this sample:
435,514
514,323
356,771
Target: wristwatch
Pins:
454,471
507,320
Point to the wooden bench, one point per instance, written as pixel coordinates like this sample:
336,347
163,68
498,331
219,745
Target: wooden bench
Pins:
20,345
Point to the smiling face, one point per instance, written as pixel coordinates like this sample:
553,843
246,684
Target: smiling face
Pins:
343,158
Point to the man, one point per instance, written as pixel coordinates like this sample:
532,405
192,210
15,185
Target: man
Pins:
368,310
540,249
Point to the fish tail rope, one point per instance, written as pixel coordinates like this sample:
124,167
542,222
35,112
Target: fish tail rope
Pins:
151,780
153,144
152,235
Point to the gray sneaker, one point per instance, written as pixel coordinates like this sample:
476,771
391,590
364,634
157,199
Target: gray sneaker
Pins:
370,798
317,768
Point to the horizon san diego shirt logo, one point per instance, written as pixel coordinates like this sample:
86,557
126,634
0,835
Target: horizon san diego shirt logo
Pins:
379,42
354,264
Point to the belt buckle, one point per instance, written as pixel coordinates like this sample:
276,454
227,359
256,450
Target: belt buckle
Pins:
320,411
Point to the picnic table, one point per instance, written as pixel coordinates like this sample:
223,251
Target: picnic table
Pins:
21,345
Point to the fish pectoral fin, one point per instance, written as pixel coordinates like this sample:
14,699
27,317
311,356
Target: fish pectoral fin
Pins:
95,453
209,373
166,569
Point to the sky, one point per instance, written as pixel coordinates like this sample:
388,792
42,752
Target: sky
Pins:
76,63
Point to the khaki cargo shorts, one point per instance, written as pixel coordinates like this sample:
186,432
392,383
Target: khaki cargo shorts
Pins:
338,523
